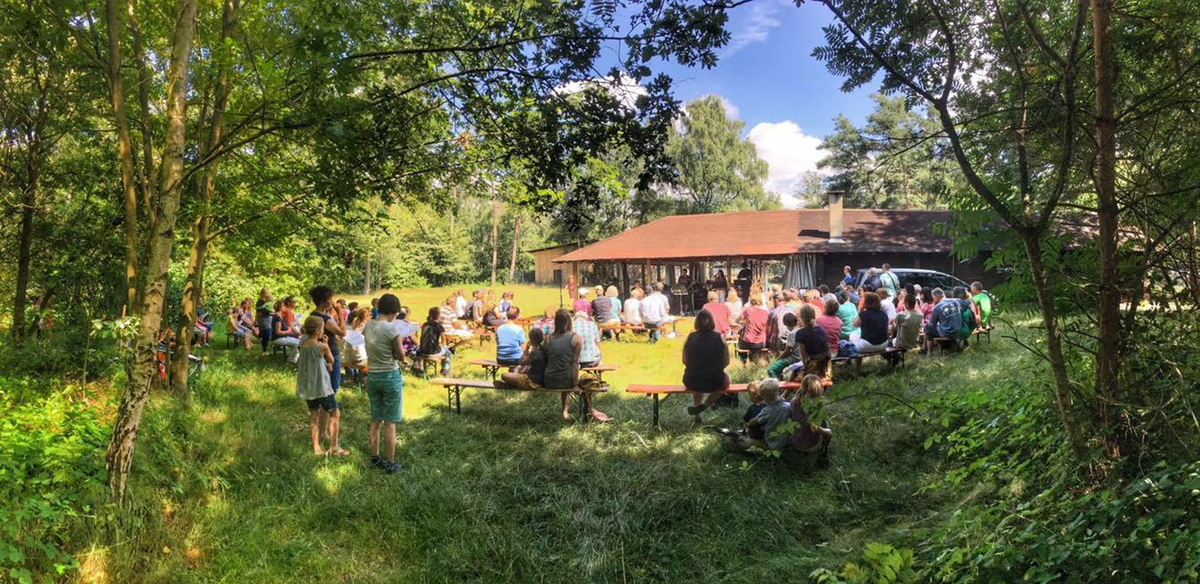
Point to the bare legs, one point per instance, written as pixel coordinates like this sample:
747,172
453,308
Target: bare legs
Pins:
389,439
587,403
321,422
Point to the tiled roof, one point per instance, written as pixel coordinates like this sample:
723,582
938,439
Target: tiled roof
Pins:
770,233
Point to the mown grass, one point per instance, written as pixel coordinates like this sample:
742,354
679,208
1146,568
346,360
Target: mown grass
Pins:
230,492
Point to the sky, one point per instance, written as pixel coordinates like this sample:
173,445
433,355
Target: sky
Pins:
767,78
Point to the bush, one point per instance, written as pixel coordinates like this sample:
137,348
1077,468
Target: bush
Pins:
51,473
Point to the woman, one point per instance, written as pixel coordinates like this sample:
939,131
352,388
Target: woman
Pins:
431,340
562,364
611,292
491,313
633,308
927,305
754,326
546,323
705,357
832,325
735,306
720,284
572,287
872,322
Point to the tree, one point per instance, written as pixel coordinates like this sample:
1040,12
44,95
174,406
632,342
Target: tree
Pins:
715,168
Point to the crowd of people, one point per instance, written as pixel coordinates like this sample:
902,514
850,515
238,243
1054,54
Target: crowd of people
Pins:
802,329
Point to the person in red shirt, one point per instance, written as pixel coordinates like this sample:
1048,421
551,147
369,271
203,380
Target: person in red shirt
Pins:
754,326
719,312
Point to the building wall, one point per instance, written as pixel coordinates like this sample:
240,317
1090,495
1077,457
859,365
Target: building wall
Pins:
544,266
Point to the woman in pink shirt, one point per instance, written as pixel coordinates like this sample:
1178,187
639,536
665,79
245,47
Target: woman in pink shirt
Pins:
719,312
832,325
754,326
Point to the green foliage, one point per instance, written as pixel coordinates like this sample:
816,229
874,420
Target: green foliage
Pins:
51,475
715,168
881,564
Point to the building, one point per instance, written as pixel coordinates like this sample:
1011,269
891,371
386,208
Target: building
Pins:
808,246
546,272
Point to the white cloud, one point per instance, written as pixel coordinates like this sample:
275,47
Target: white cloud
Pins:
789,152
730,110
760,19
624,89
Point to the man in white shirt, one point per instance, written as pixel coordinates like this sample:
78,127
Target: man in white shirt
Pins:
654,311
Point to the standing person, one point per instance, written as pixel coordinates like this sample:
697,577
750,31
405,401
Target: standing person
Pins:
705,357
585,328
531,373
743,281
754,327
847,276
562,351
431,340
264,301
719,313
384,381
654,311
721,285
335,328
509,339
633,307
572,287
312,385
888,281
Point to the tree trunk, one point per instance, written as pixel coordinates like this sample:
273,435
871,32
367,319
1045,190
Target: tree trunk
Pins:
512,266
1108,348
119,458
194,285
139,57
1063,395
28,206
495,233
367,278
116,90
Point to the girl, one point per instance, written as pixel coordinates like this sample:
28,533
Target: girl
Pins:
546,324
354,348
808,437
532,372
431,340
312,385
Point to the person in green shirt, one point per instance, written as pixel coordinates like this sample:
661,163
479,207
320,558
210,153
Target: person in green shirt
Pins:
983,305
847,311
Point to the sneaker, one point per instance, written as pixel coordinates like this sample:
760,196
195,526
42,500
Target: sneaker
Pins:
391,467
378,462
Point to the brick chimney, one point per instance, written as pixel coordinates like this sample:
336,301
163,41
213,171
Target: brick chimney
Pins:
835,216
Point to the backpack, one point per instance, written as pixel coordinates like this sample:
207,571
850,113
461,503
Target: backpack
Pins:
847,349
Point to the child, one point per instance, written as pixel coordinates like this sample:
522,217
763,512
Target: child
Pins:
756,407
530,374
791,353
774,412
431,340
354,348
808,437
312,385
384,382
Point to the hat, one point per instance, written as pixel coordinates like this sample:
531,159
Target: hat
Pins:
583,292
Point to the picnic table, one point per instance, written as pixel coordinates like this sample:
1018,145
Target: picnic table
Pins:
454,388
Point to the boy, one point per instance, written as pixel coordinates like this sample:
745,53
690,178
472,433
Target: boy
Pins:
791,352
774,413
983,306
384,382
908,325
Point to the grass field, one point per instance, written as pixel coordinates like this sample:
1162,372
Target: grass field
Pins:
509,492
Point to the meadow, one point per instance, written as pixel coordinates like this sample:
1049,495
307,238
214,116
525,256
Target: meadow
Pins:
227,490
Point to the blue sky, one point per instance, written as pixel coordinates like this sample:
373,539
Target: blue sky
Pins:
769,80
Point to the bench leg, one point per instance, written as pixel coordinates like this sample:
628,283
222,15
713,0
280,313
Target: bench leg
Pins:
655,396
457,399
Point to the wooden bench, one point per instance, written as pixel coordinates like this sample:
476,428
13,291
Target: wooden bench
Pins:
492,368
894,356
983,332
660,392
752,355
618,328
422,362
455,387
233,338
948,345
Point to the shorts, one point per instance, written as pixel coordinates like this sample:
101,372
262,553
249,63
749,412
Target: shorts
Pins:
384,391
508,362
327,403
743,345
522,381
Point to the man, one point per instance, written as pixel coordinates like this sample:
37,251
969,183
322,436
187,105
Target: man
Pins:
654,311
685,301
872,280
847,276
719,312
889,281
510,338
945,321
908,325
743,281
983,305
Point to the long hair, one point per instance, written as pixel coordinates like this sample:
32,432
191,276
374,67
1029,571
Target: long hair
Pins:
705,321
562,321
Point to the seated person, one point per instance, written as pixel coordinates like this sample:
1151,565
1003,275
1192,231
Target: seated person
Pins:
773,414
945,322
546,323
757,404
589,333
847,313
602,309
202,328
431,340
234,325
611,292
808,437
582,304
832,325
886,304
705,357
873,324
908,325
509,339
983,306
791,351
354,345
719,312
754,326
284,336
506,301
530,373
812,343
